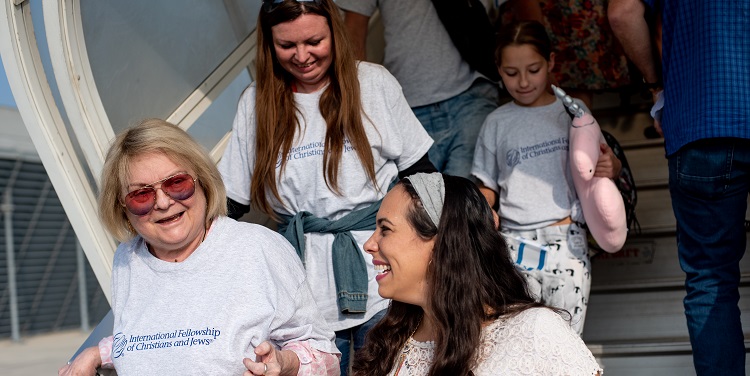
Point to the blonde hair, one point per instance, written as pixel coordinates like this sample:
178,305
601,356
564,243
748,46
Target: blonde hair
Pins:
275,110
155,136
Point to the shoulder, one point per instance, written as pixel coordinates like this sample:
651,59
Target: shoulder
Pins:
374,74
500,115
506,109
364,7
542,333
246,107
241,232
252,241
126,250
532,320
248,95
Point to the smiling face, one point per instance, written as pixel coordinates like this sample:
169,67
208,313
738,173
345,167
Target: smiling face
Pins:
525,74
400,255
303,47
172,228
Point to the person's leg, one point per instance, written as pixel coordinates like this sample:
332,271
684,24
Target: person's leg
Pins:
467,112
567,274
436,122
361,331
708,181
344,343
348,341
578,274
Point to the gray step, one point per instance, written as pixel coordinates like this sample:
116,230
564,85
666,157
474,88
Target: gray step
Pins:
654,211
644,263
649,166
644,316
648,359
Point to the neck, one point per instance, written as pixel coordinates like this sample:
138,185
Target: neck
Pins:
426,330
178,255
172,256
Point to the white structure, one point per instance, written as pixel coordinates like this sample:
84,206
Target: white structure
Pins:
82,70
109,64
45,283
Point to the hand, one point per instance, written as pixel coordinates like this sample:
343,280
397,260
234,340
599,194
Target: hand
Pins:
608,166
271,361
656,109
657,126
85,363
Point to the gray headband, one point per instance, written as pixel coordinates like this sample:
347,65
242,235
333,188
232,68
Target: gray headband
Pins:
431,191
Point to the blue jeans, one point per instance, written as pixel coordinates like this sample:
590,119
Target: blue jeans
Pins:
709,181
455,123
356,336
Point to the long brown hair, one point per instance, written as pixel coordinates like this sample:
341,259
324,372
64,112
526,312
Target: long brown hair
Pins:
275,109
519,33
472,280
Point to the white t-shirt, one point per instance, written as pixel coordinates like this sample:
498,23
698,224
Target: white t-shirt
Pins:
522,154
243,285
537,341
418,49
397,141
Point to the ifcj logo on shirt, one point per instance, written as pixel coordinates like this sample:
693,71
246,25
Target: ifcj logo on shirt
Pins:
184,338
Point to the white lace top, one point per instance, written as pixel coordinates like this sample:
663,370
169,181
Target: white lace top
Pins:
535,342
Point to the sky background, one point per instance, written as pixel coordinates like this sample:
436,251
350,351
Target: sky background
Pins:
6,98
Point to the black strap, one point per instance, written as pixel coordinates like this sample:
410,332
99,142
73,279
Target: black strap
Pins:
472,33
422,165
235,210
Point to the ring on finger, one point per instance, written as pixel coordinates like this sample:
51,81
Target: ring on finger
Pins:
265,368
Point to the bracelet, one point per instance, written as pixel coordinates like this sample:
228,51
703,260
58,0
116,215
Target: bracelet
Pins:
653,86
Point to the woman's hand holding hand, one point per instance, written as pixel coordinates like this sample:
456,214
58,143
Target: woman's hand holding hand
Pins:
272,362
85,363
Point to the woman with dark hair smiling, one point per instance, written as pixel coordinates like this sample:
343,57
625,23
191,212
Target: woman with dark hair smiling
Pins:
460,306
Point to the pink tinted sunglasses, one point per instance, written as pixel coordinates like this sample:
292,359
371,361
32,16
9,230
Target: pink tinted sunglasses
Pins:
179,187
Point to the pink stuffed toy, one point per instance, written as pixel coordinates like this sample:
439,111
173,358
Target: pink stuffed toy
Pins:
601,202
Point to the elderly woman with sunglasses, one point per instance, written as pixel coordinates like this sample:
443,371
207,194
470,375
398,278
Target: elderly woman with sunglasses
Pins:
194,292
317,140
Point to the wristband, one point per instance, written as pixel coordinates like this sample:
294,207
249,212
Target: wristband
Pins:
653,86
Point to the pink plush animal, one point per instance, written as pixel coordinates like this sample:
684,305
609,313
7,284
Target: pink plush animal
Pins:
601,202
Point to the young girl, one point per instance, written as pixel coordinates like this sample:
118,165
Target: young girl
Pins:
521,161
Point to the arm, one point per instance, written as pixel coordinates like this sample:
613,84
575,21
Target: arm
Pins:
271,361
489,194
296,358
312,361
626,17
299,342
356,25
85,363
608,166
491,197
